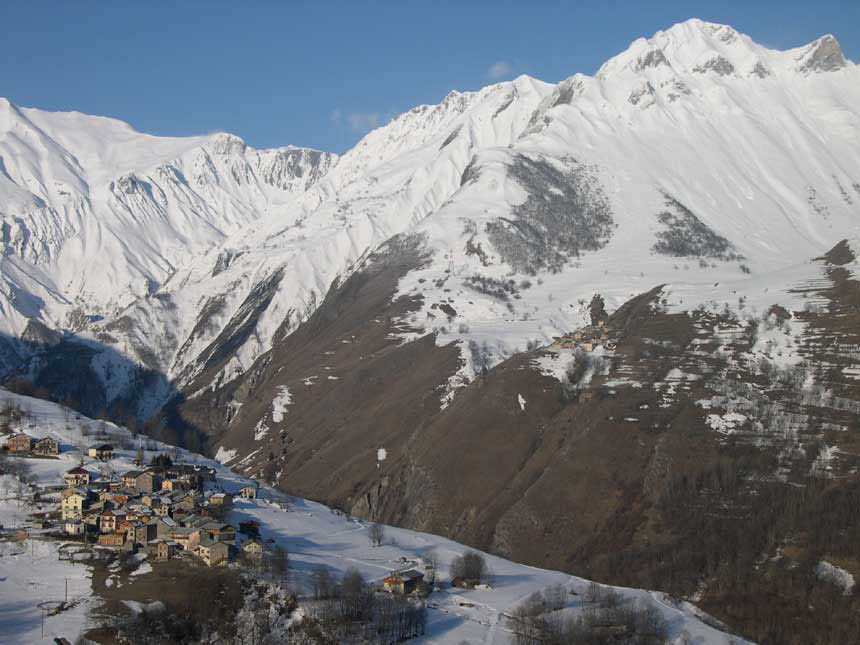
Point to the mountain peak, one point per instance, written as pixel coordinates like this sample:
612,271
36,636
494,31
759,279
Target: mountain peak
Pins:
822,55
704,47
683,47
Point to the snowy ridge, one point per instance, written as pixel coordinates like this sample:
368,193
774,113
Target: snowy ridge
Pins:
698,132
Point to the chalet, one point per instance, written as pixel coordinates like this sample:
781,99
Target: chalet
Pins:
77,477
112,539
19,442
72,505
47,447
212,553
253,550
248,492
402,582
73,527
219,532
103,451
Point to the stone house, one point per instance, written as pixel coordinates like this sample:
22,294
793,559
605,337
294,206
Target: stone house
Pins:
212,553
73,527
142,480
187,538
248,492
164,526
164,549
19,442
47,447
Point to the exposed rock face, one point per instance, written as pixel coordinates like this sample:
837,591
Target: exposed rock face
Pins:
825,55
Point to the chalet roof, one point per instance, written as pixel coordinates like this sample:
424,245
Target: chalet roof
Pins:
101,446
168,521
133,473
412,574
20,434
46,439
77,470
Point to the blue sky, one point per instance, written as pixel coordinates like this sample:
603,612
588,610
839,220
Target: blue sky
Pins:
322,74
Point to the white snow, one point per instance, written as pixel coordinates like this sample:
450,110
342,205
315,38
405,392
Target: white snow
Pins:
225,455
835,575
381,454
260,430
726,423
521,400
280,403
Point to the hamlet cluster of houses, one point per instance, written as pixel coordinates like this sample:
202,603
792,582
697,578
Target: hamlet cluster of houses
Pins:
21,443
164,512
587,338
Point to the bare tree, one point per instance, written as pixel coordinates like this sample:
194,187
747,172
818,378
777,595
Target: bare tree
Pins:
377,534
470,567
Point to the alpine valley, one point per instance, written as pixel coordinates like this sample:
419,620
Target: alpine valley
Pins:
609,327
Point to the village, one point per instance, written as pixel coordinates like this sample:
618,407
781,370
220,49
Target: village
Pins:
162,509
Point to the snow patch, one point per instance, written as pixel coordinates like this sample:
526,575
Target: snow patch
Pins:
280,402
835,575
225,456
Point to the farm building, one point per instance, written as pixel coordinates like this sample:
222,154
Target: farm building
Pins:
402,582
103,451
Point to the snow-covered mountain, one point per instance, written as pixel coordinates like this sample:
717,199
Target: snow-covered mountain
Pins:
97,215
696,143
